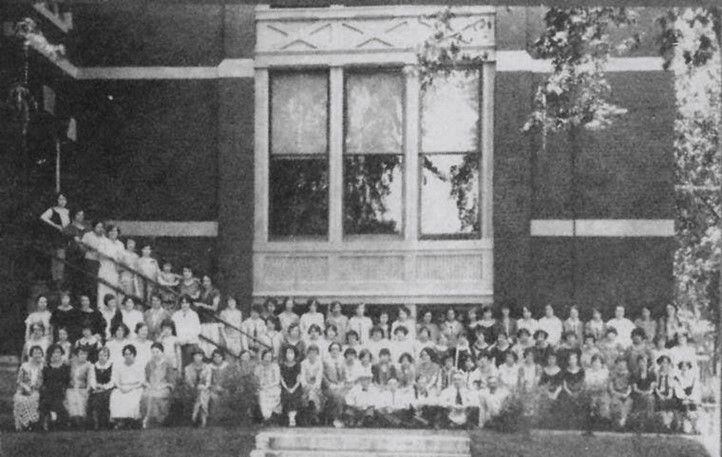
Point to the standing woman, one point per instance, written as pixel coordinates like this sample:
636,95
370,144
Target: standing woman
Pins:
311,378
339,320
171,347
26,401
99,401
81,380
92,242
149,271
129,264
129,380
111,250
291,392
272,337
57,217
74,253
160,379
288,317
268,376
233,316
311,317
56,378
189,284
131,316
670,325
207,306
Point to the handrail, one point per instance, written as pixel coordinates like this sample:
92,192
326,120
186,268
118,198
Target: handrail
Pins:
120,291
165,288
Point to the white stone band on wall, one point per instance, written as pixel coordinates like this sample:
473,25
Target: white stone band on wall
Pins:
168,228
603,227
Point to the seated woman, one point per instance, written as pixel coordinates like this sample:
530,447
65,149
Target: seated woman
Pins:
491,401
406,372
311,378
89,342
570,397
129,380
171,348
291,392
596,381
334,384
117,343
551,382
377,343
82,376
99,400
36,337
664,391
220,407
620,390
454,402
26,401
56,378
364,366
293,339
160,381
427,376
197,377
361,402
268,377
404,320
687,392
509,372
643,383
589,349
311,317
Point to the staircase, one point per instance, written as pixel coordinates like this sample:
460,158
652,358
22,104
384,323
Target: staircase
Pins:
334,442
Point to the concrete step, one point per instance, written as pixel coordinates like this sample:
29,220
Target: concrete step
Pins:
357,442
330,453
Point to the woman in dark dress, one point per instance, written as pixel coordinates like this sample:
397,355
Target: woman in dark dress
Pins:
551,383
644,382
666,403
570,401
92,318
99,401
291,392
56,378
67,316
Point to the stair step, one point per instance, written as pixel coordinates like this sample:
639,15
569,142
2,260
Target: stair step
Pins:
9,360
364,441
347,453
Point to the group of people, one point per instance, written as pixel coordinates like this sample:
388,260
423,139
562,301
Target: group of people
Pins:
126,365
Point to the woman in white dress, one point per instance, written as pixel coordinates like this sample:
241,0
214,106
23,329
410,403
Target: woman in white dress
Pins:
128,279
111,251
268,376
129,381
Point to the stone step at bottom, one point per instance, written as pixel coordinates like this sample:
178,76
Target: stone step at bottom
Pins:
360,441
331,453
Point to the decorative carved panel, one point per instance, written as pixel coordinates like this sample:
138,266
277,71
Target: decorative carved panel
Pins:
364,29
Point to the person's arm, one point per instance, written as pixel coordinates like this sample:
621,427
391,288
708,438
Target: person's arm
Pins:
45,217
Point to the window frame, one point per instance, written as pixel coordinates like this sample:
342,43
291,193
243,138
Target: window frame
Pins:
474,235
326,155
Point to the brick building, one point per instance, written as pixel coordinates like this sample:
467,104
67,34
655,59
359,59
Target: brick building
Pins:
241,138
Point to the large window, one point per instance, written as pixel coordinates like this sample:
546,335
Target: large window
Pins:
373,153
449,156
298,168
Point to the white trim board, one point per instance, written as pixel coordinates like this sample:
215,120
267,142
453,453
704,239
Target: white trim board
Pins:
602,227
63,21
506,61
168,228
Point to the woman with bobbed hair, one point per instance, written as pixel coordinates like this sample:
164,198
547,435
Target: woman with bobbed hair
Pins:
129,380
26,401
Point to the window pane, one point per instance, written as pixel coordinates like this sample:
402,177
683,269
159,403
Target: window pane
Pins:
298,197
299,113
374,113
373,194
450,114
449,194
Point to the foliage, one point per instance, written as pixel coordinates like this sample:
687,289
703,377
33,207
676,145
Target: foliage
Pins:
576,93
690,44
367,185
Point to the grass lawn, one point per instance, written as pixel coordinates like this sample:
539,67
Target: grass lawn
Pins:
237,442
